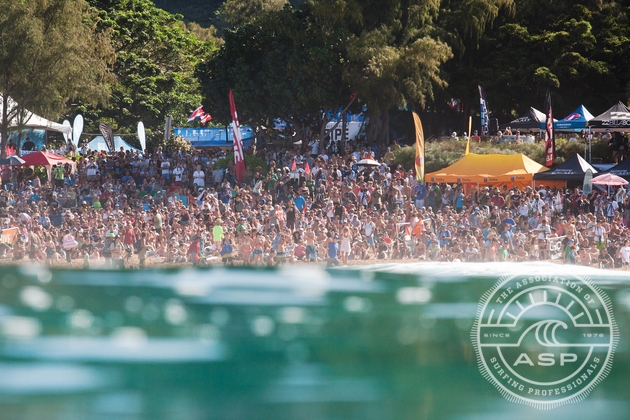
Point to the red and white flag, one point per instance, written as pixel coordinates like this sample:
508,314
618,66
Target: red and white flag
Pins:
239,156
205,118
197,113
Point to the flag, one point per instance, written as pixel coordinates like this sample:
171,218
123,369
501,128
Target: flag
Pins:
485,118
197,113
294,165
108,136
419,148
239,156
205,118
307,168
550,141
469,134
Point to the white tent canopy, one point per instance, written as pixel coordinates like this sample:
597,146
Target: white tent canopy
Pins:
35,122
98,144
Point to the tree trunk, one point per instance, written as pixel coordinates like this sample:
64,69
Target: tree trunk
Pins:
378,127
384,134
4,127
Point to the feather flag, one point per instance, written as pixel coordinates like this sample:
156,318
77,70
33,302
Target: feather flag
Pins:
197,113
419,164
239,156
550,141
485,118
108,136
469,134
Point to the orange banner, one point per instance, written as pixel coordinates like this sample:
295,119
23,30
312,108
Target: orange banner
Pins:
419,148
10,235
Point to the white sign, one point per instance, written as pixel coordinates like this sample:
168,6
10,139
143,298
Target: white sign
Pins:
352,130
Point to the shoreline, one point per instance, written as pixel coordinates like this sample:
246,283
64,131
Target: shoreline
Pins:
156,263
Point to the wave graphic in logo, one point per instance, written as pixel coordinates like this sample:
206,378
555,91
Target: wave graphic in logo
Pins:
544,340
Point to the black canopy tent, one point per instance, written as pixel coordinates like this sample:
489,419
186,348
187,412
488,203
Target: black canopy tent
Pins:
617,117
622,169
573,169
532,120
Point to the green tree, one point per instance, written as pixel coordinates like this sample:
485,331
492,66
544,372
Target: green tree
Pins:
239,12
295,62
580,49
155,59
278,66
50,55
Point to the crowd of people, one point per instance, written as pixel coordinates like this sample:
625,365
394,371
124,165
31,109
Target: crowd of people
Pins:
129,209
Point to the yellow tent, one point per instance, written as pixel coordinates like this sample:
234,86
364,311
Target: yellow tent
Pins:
497,170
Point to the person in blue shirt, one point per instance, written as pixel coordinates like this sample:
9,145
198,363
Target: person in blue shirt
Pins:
421,194
444,236
507,234
459,201
225,196
321,176
333,251
300,202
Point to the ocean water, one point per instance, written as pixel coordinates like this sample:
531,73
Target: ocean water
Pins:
376,342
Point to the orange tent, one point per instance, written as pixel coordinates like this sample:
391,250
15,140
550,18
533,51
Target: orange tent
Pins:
497,170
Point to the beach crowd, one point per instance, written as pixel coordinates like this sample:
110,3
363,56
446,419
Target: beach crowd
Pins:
174,207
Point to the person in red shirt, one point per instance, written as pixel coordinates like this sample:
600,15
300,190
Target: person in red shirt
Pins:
497,200
194,250
129,235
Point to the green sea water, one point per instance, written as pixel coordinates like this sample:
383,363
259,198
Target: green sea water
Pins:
377,342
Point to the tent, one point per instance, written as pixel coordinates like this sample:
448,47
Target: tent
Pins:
622,169
573,169
497,170
533,120
32,121
98,144
616,117
45,159
575,121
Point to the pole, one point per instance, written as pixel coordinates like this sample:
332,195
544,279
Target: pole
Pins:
590,144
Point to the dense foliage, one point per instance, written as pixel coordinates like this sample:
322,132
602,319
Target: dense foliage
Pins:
50,54
579,48
515,50
126,61
155,60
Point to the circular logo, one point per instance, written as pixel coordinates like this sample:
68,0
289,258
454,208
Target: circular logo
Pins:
545,340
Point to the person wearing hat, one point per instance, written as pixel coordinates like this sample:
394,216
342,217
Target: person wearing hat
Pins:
444,236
